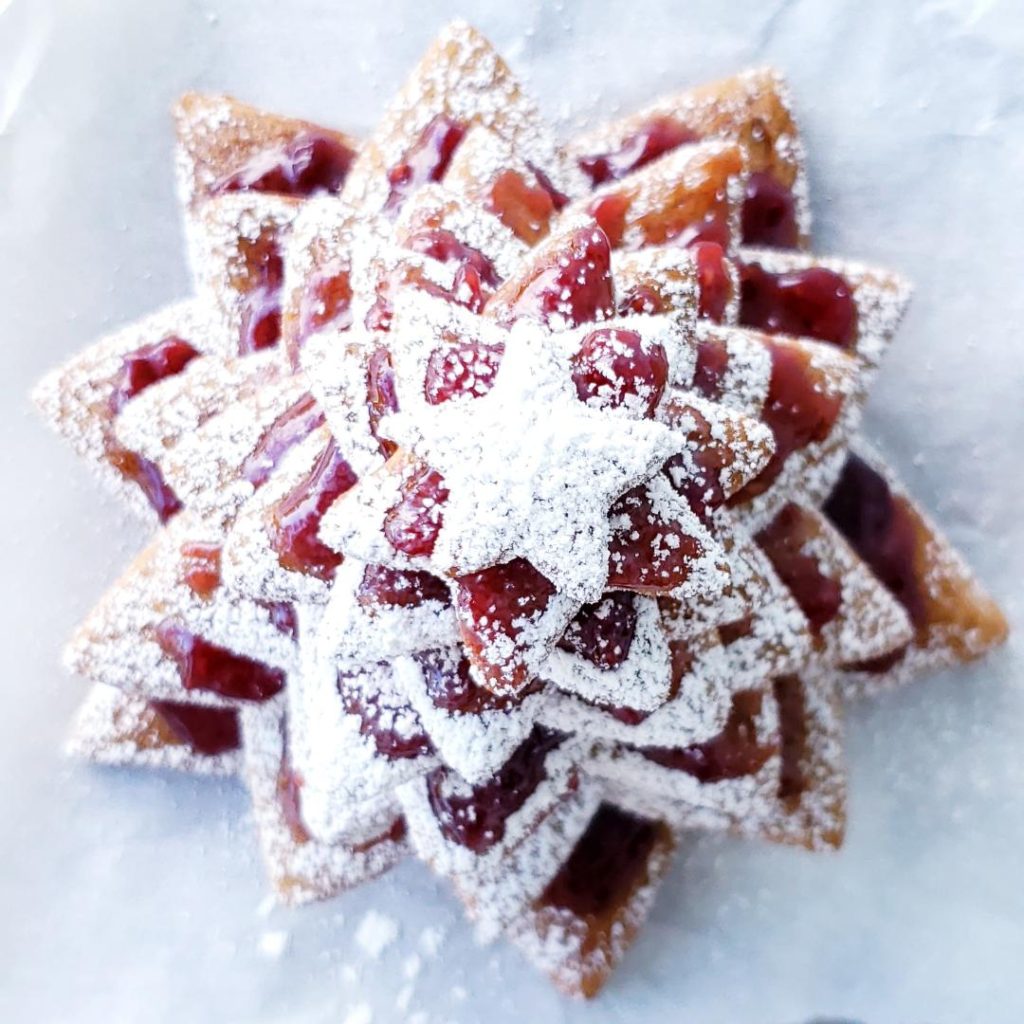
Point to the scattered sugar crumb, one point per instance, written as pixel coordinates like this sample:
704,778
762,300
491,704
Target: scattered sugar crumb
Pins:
459,993
350,973
361,1014
273,944
376,932
411,966
431,939
404,998
266,905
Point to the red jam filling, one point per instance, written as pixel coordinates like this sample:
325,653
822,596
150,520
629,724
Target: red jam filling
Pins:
400,588
295,424
413,523
150,480
648,553
526,210
289,797
139,370
610,213
573,285
462,369
813,303
147,365
769,213
441,245
426,161
208,731
381,395
714,285
394,727
494,606
307,164
205,666
732,754
326,301
295,519
614,367
712,365
881,530
450,686
282,617
797,410
644,298
782,540
477,820
602,633
659,136
261,300
791,699
607,865
201,568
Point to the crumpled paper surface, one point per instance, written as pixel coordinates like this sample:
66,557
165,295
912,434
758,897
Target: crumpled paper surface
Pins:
139,898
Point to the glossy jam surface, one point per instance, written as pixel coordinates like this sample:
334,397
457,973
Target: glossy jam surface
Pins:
205,666
494,606
208,731
614,367
644,298
813,303
260,285
769,213
400,588
147,476
525,209
881,530
147,365
714,285
611,212
326,301
712,366
442,245
733,753
573,286
295,519
413,523
697,476
659,136
477,819
295,424
426,161
607,865
200,565
602,633
464,369
309,163
381,394
395,730
451,687
783,540
792,702
648,553
797,410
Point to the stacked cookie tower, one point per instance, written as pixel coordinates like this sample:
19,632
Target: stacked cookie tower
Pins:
509,505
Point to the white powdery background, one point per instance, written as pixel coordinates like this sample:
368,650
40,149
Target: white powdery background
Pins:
131,898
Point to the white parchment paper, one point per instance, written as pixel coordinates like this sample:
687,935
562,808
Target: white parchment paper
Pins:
138,898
